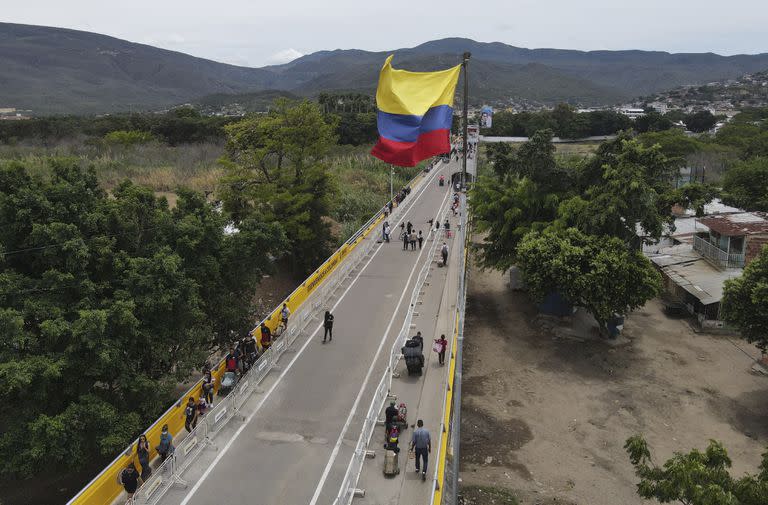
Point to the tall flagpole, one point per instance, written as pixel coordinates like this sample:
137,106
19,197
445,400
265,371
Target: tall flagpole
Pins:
391,190
465,64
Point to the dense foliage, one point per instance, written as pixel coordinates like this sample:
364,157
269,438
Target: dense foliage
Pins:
183,125
696,478
598,273
108,301
622,186
564,121
571,225
745,184
276,171
353,114
745,301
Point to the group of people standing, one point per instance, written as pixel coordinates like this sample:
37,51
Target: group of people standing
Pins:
409,236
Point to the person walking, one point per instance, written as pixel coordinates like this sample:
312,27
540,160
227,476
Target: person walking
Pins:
421,444
444,253
208,386
386,232
409,227
266,336
284,313
405,238
328,325
165,447
142,453
412,240
390,417
129,478
420,239
190,413
441,344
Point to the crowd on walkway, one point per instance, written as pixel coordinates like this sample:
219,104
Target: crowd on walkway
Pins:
244,353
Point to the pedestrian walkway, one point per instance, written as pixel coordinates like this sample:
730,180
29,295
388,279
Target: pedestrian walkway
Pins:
293,443
423,395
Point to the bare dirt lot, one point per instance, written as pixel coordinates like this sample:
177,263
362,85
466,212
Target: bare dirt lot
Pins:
547,417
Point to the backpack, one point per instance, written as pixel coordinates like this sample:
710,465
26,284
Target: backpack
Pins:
165,444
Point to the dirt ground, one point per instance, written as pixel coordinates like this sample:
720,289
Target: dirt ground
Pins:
545,414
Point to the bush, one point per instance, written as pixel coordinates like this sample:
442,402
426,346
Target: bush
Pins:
128,138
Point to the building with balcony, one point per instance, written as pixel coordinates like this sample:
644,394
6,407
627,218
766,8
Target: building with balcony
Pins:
732,240
702,253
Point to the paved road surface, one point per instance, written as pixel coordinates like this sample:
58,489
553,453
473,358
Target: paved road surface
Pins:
289,451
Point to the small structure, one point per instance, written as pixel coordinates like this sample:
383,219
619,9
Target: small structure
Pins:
693,281
733,240
702,253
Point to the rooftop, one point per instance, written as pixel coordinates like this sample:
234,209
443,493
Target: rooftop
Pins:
689,270
741,223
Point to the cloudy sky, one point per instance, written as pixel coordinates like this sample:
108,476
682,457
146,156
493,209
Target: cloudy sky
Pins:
260,32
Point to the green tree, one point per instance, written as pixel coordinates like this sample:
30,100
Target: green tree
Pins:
696,478
107,302
701,121
652,122
522,195
569,124
506,211
674,143
275,170
745,301
694,196
745,185
625,185
598,273
127,138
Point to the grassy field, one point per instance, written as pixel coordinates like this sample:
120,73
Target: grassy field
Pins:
577,148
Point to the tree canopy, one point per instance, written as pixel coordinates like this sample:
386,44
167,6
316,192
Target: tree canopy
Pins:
108,301
745,184
622,186
563,120
745,301
701,121
696,478
598,273
275,171
522,195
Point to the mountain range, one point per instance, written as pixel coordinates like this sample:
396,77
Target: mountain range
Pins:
56,70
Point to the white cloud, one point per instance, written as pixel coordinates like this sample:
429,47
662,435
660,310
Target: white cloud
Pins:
284,56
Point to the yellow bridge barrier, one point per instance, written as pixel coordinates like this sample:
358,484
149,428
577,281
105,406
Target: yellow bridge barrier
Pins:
104,488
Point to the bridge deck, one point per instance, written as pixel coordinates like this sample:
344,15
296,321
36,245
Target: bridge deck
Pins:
300,428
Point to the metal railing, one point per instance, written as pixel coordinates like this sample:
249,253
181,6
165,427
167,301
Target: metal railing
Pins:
716,255
446,472
354,469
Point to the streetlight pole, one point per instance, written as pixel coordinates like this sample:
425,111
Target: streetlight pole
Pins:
465,65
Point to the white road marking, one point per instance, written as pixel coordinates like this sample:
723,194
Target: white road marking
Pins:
223,451
383,339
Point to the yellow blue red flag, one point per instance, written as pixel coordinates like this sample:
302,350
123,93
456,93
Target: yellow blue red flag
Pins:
415,114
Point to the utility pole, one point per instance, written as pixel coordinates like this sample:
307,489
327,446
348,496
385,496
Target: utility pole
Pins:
465,65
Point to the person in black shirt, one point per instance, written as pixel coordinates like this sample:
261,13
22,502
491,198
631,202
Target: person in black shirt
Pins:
328,325
190,413
390,417
129,478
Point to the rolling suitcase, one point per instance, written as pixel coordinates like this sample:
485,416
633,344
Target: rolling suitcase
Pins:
391,466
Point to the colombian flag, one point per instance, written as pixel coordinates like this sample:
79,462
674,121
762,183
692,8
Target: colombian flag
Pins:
415,114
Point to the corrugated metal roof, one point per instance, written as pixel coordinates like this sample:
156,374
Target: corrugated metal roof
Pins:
689,270
742,223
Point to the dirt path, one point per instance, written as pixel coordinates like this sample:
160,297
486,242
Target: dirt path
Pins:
547,417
